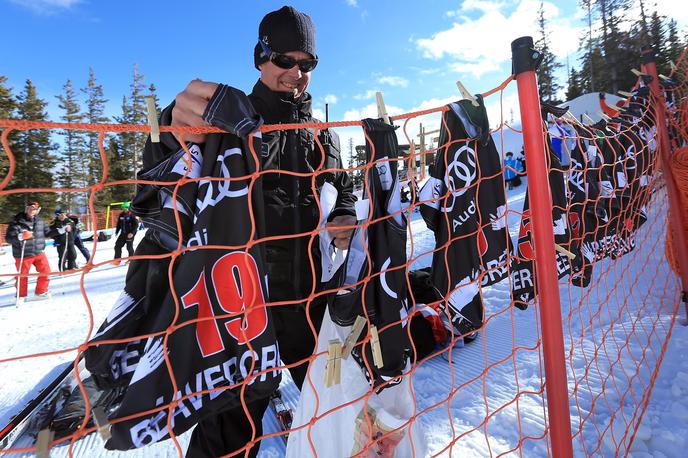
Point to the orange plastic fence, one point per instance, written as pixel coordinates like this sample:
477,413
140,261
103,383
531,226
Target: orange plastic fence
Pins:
488,398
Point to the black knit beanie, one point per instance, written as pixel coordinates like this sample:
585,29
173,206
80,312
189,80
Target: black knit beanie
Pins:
285,30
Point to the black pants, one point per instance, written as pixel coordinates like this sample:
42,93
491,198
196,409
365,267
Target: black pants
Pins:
121,240
66,256
79,244
230,431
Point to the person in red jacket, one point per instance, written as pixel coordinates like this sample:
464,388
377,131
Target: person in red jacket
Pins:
26,233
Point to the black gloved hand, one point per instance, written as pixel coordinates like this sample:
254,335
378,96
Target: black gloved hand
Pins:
602,95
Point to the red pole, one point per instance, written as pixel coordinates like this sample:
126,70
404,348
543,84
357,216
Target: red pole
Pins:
676,212
525,61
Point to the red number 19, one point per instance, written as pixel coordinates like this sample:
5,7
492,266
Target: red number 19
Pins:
237,287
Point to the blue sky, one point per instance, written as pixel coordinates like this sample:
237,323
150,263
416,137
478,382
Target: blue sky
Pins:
412,51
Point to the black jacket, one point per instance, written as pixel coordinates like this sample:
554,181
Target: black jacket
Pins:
126,223
58,231
33,246
290,207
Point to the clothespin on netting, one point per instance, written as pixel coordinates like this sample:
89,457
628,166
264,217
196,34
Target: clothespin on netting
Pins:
353,336
153,119
588,118
625,94
43,440
604,116
381,108
333,366
637,72
467,95
102,423
375,347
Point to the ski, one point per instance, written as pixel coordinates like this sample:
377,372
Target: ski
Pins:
39,412
282,413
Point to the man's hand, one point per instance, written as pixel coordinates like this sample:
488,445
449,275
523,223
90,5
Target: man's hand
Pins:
26,235
130,236
189,107
341,236
68,228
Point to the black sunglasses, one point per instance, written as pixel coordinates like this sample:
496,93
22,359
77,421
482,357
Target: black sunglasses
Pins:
287,62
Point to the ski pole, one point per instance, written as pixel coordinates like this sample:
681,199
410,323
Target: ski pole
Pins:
21,262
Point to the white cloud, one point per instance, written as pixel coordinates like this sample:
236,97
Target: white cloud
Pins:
331,99
396,81
319,114
369,94
485,41
46,6
353,3
475,69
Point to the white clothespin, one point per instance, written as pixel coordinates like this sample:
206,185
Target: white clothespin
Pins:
588,118
153,119
637,72
381,109
465,94
625,94
664,77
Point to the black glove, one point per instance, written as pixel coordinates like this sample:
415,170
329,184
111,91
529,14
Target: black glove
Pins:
602,95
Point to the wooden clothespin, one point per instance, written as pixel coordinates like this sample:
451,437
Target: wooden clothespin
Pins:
352,338
102,423
605,117
664,77
465,94
617,107
153,119
625,94
588,118
381,108
375,347
564,251
43,440
637,72
672,65
333,367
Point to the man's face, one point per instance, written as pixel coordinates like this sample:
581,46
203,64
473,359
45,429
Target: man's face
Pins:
281,80
61,216
31,211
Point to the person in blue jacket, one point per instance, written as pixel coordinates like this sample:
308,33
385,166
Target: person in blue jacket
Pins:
511,167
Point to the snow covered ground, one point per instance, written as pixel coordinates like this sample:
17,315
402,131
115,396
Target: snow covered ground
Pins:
484,399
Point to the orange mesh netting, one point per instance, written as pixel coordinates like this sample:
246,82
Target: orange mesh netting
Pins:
483,398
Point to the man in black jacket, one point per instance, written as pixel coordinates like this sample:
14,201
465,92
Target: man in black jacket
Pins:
127,225
62,231
26,233
285,56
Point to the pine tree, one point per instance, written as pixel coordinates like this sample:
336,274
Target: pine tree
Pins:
8,105
674,47
32,151
95,114
547,81
72,171
130,144
359,161
575,87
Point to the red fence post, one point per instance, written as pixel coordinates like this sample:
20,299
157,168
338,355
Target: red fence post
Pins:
525,60
648,57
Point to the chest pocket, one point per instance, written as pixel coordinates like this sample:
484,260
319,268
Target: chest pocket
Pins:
330,148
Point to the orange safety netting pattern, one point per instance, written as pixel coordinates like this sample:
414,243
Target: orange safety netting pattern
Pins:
478,394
